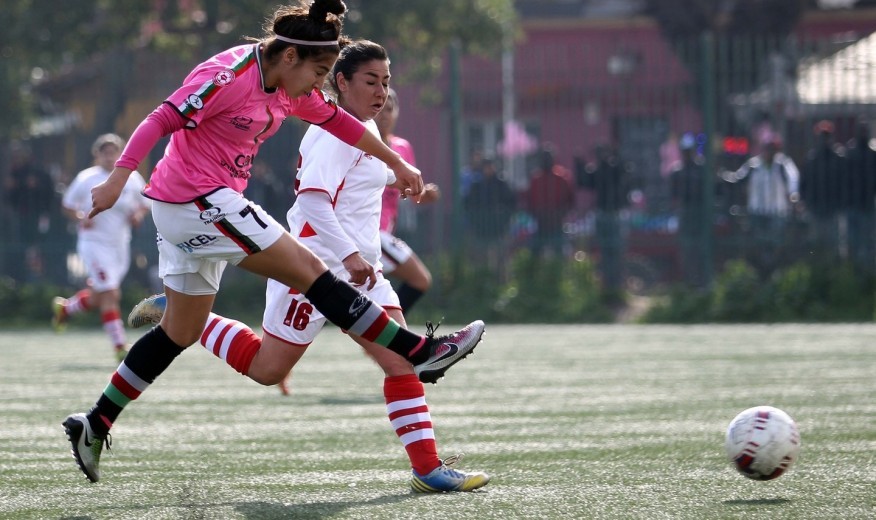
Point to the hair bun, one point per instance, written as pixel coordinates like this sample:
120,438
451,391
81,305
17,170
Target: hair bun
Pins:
320,9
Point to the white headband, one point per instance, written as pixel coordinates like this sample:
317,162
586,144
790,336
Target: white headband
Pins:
304,42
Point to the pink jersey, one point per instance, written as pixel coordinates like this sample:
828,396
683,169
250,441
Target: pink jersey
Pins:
389,210
229,113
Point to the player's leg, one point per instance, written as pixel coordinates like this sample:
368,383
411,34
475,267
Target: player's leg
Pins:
64,308
110,316
292,264
409,413
147,359
110,265
191,283
290,324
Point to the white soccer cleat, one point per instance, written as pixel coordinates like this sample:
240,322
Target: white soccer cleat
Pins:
86,446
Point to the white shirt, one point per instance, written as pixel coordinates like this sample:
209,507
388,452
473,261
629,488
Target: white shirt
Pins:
770,186
352,183
114,224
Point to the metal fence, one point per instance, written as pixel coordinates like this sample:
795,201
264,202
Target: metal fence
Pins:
661,151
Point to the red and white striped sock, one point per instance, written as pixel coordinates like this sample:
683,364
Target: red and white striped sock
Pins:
79,302
409,416
115,329
231,341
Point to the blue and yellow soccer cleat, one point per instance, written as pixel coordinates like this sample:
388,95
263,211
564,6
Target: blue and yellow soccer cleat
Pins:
443,479
148,312
59,317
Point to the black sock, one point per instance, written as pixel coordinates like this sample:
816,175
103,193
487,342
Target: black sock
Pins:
352,311
408,296
148,358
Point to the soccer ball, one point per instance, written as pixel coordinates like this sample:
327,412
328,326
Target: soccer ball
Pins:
762,442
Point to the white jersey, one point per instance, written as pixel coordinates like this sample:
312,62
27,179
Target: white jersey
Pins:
114,224
354,182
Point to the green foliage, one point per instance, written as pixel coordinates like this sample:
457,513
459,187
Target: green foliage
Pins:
535,290
680,305
419,33
542,290
739,294
802,292
44,38
30,303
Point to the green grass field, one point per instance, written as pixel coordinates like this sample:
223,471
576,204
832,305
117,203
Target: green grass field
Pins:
615,422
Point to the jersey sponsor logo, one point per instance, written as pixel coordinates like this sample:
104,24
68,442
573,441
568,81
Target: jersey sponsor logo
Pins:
241,122
211,215
196,242
195,101
224,77
236,171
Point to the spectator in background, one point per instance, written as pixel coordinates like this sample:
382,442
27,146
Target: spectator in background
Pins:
608,178
687,183
471,172
822,186
489,205
861,190
30,195
670,155
104,242
397,257
549,197
771,181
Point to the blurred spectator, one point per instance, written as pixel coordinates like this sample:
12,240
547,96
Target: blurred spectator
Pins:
549,197
821,186
471,172
490,204
771,181
861,163
670,156
608,178
30,195
687,182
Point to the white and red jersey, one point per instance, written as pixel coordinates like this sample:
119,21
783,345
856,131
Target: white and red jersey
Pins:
353,182
229,113
114,224
392,196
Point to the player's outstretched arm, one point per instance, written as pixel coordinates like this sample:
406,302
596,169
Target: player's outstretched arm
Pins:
105,194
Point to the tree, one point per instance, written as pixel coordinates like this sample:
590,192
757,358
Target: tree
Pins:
44,39
419,32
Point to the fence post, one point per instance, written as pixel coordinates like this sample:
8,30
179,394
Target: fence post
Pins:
456,146
707,77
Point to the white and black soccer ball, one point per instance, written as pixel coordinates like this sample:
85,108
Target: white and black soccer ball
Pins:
762,442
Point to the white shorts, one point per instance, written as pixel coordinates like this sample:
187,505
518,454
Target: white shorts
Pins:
196,240
393,252
290,317
106,263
